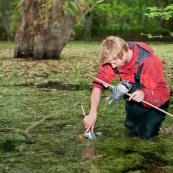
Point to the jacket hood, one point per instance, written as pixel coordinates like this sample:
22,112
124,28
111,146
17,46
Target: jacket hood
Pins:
142,50
145,46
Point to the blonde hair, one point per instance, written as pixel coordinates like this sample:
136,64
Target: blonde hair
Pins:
111,48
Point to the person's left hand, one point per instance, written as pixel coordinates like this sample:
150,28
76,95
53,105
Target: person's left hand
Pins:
137,96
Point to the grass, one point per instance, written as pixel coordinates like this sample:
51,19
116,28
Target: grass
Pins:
31,90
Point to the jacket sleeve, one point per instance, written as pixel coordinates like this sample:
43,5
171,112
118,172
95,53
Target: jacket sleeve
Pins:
156,91
106,74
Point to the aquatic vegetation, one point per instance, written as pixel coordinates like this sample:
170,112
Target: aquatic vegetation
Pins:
30,90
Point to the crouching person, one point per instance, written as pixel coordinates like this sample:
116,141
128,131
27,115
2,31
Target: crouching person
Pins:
136,63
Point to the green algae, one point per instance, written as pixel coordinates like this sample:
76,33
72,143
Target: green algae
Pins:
26,97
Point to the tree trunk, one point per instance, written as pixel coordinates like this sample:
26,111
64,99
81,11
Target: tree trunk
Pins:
42,36
5,15
25,35
88,26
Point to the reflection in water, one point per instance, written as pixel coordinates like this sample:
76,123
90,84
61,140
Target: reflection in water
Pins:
89,151
129,155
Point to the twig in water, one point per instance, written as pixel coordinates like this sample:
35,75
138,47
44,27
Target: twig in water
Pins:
27,135
88,135
26,132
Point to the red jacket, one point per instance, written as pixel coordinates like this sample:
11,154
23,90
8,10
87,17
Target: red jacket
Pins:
152,78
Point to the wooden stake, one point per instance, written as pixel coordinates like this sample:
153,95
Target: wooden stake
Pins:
93,136
83,111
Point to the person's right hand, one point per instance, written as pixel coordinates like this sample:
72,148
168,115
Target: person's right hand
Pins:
89,123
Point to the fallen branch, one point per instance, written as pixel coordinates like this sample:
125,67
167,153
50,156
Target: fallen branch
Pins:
47,117
38,122
26,132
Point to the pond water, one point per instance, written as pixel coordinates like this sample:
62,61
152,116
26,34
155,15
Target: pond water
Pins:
31,90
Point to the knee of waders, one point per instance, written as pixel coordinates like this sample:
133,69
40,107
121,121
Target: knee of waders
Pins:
147,133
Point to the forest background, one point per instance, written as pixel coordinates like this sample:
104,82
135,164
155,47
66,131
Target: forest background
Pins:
93,20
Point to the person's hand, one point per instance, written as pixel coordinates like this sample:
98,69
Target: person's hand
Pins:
137,96
89,122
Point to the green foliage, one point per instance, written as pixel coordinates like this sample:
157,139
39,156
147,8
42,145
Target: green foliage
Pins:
123,18
152,36
108,16
15,16
160,13
166,13
70,8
